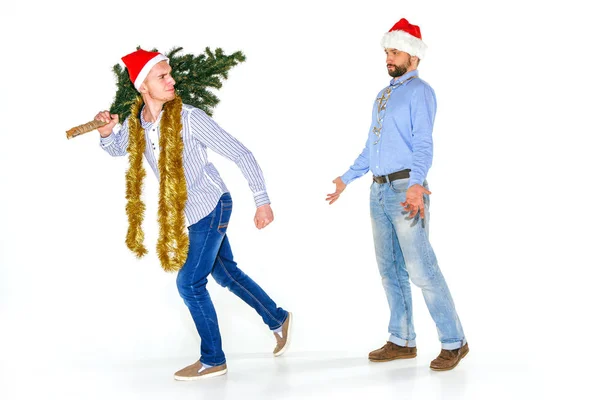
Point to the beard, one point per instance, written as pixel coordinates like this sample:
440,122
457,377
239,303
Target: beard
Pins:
398,70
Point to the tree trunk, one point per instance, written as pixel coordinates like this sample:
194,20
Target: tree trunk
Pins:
84,128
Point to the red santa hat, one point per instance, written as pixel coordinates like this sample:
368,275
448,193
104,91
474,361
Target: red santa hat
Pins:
139,63
405,37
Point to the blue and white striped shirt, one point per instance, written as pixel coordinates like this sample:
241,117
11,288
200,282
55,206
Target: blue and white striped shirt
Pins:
204,185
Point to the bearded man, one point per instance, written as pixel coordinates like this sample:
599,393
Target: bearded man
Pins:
399,153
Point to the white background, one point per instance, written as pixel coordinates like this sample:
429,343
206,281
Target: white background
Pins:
514,180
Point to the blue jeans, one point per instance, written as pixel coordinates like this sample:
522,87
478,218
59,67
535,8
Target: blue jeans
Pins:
404,254
210,253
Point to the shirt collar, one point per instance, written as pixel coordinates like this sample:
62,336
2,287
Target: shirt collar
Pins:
404,77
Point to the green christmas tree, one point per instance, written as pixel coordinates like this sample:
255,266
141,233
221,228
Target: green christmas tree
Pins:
194,77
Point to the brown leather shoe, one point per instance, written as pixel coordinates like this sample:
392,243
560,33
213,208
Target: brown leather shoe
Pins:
391,351
283,341
448,359
196,371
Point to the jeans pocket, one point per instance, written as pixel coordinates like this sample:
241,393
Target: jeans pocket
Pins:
204,225
226,207
399,185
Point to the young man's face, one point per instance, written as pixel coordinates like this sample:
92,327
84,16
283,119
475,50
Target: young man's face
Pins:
398,62
159,84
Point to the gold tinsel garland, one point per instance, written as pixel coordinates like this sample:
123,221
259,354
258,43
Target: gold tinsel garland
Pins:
172,246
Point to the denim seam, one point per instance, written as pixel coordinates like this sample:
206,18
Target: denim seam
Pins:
436,274
407,316
449,306
391,222
212,220
394,190
246,290
220,224
216,365
220,217
401,338
398,280
447,341
193,279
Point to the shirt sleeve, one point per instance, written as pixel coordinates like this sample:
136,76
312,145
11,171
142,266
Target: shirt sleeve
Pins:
208,132
116,143
423,109
360,166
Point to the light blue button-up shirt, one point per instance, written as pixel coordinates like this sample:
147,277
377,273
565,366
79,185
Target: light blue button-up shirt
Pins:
405,127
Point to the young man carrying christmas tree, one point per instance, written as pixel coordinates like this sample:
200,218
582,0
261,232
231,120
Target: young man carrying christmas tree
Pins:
174,138
399,152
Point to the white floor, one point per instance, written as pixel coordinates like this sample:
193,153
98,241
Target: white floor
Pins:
303,376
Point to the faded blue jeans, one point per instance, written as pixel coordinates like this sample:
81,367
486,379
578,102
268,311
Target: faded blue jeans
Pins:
210,253
404,254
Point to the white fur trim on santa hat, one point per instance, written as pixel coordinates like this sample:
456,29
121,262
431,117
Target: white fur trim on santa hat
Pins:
146,70
404,41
